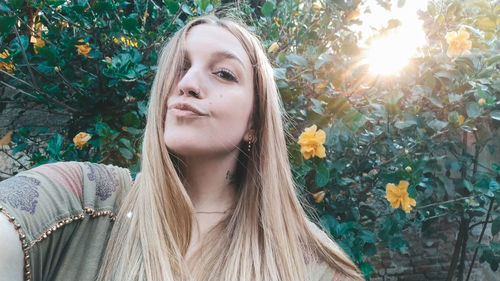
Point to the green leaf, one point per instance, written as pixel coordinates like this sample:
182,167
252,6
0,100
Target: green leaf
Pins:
468,185
452,98
267,9
55,145
14,44
126,153
130,23
453,117
367,236
131,119
317,106
203,4
494,186
280,73
134,131
4,7
437,125
366,268
495,114
172,6
405,124
18,148
323,58
412,191
185,8
6,23
473,109
495,226
17,4
329,223
296,59
126,142
322,175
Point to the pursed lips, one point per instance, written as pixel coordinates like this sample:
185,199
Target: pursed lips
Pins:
186,107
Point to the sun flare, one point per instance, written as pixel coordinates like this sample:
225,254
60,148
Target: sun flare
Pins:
388,55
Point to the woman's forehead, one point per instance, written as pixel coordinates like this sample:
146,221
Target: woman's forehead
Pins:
213,40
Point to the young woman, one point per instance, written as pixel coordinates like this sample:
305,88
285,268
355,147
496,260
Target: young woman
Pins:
215,199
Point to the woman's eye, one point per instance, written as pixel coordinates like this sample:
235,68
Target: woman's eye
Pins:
226,75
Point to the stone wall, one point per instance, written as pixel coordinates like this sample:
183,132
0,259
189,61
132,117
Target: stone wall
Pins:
428,258
14,115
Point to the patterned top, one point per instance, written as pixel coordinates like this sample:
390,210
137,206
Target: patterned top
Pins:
64,213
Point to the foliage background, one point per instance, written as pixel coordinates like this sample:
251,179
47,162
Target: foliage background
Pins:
428,117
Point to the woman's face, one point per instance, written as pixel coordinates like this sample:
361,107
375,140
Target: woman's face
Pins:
218,81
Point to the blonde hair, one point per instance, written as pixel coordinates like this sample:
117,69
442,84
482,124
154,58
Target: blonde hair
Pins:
266,237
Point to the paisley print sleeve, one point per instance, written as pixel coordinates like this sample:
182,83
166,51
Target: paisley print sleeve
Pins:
63,213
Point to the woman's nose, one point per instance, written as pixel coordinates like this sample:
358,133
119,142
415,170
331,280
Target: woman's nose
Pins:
190,83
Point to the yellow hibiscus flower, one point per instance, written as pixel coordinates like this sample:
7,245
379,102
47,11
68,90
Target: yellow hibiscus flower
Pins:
458,43
273,48
81,139
7,66
37,43
83,49
311,142
319,196
398,195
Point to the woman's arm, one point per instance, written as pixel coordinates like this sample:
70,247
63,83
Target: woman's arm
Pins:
11,259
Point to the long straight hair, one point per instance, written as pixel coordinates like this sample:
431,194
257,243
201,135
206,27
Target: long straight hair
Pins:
266,237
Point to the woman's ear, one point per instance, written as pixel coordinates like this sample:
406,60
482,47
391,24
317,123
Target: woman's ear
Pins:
250,134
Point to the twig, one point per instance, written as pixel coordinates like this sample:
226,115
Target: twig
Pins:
15,78
67,107
12,157
21,91
480,238
25,58
445,202
478,223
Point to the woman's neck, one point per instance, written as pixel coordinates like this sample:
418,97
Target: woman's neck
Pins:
209,181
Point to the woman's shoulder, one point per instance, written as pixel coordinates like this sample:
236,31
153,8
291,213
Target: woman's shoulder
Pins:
43,195
63,202
319,269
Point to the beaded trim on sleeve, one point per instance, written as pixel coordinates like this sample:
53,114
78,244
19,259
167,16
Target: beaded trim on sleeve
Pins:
86,210
24,244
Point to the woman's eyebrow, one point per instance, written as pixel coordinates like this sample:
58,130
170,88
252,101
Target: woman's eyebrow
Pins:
227,55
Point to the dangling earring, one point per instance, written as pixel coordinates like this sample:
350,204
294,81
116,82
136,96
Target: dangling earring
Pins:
249,144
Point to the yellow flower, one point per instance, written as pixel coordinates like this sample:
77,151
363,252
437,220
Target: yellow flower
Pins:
481,101
81,139
398,195
458,43
146,14
63,23
273,48
5,140
408,169
319,196
461,119
83,49
7,66
124,128
354,14
311,142
38,43
277,22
